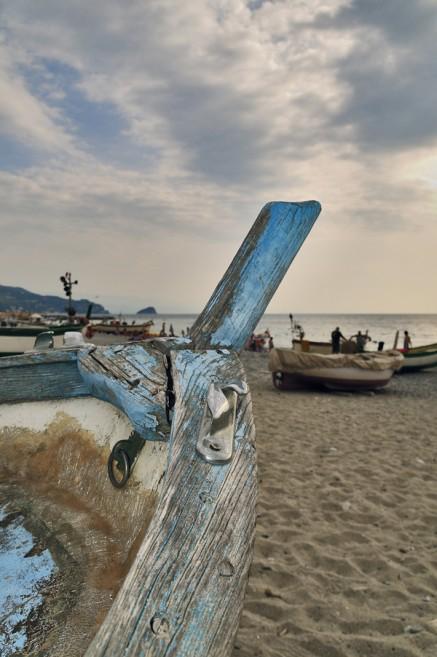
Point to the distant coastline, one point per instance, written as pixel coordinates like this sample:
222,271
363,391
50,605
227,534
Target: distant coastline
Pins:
18,299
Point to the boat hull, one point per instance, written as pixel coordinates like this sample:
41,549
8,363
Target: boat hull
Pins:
419,359
68,537
183,593
348,378
12,345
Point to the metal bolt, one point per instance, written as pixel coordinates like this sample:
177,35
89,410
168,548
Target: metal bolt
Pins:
160,627
215,447
206,497
226,569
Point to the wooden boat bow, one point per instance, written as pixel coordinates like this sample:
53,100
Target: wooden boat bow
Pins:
183,594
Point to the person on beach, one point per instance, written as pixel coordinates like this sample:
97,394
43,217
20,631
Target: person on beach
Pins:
361,339
407,341
336,336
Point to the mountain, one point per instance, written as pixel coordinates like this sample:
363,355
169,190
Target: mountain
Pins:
17,298
150,310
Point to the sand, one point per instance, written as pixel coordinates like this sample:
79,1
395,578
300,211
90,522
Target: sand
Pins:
345,559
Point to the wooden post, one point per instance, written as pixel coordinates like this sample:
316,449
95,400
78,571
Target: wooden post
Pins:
241,297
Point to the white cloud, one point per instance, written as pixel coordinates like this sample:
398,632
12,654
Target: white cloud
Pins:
214,108
24,117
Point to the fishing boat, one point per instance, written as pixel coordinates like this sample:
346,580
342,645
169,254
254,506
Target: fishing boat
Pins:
419,358
314,347
365,371
115,332
20,334
16,340
128,477
311,346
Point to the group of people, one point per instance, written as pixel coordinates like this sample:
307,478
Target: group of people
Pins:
360,340
260,342
163,333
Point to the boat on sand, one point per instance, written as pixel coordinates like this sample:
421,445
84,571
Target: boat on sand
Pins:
366,371
128,477
115,332
419,358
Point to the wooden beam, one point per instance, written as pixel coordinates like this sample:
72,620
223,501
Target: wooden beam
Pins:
133,377
41,375
183,594
241,297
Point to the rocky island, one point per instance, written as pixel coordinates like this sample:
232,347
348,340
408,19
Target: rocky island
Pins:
149,310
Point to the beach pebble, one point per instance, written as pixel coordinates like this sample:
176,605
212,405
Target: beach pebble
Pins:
346,506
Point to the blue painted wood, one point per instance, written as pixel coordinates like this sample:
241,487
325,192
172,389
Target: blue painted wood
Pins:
38,376
40,357
183,594
22,574
133,378
245,290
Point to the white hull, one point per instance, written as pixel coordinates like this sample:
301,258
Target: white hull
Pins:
347,377
14,344
419,361
291,368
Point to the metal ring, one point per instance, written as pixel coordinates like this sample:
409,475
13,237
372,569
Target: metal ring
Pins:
120,457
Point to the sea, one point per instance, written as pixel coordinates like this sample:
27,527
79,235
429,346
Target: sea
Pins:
380,328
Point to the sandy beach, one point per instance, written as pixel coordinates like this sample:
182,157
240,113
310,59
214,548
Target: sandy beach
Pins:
345,559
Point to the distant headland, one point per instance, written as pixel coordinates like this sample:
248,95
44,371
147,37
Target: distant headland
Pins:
17,298
150,310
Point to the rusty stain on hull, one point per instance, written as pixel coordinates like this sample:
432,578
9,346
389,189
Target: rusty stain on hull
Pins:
55,483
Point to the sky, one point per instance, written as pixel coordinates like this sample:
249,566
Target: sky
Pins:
139,140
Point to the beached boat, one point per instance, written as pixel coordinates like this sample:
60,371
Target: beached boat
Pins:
419,358
311,346
128,477
16,340
314,347
114,332
366,371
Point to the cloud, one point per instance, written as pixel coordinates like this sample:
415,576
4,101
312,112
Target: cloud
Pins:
25,117
170,124
389,73
209,85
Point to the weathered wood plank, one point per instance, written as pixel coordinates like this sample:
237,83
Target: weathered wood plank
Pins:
40,357
133,378
41,375
183,594
240,299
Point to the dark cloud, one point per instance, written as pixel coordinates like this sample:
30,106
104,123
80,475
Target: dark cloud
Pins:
214,127
390,73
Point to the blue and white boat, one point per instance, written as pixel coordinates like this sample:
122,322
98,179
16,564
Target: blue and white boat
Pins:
128,477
